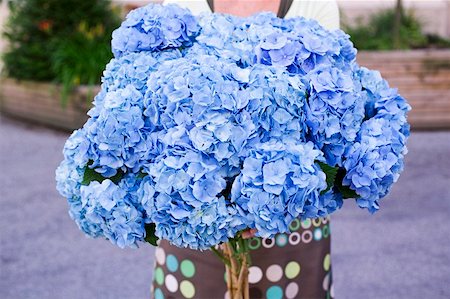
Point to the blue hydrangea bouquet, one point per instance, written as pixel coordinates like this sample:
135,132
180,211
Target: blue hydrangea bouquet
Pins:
209,126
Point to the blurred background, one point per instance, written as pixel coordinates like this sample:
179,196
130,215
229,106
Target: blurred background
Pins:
53,53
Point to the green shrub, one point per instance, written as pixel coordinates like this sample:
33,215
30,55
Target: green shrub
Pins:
82,58
377,34
436,41
53,40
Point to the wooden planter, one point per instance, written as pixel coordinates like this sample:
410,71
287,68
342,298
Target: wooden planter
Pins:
41,103
422,77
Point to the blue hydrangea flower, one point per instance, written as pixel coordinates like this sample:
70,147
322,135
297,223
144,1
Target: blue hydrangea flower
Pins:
108,210
276,183
374,162
182,196
334,112
154,28
116,132
321,205
205,126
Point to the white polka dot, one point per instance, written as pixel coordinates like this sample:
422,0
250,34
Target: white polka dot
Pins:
171,283
326,282
160,255
268,243
307,236
332,290
255,274
294,238
274,273
291,290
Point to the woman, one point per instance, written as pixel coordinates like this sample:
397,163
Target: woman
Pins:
289,266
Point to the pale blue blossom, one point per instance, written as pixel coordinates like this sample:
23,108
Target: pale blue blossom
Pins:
154,28
206,126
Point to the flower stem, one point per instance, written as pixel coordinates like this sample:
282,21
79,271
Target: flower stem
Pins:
220,256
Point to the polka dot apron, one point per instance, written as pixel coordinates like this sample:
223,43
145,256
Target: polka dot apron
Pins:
295,265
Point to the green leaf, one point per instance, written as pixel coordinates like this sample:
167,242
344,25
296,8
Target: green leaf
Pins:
330,173
150,236
91,175
335,175
141,175
347,192
221,256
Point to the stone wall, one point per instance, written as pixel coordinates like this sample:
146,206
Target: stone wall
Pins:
41,103
422,77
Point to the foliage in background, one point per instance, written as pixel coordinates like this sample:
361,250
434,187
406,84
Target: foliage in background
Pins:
66,41
377,33
82,58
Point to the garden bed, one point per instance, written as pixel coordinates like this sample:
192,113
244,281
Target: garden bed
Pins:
422,77
41,103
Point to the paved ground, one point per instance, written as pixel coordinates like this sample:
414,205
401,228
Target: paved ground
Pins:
401,252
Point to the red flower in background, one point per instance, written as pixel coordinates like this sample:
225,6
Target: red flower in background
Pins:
45,25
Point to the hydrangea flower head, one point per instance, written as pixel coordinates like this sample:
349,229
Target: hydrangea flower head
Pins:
206,126
154,28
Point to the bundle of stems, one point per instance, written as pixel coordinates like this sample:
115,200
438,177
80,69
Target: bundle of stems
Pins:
236,257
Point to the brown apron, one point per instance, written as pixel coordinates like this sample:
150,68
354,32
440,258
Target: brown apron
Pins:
295,265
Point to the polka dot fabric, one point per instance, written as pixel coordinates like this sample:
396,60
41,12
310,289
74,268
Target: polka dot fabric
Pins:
295,265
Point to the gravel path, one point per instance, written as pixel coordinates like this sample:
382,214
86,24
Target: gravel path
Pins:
401,252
